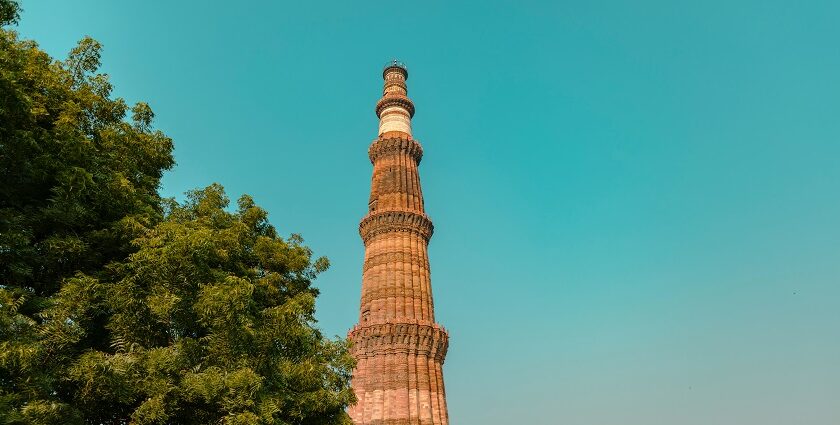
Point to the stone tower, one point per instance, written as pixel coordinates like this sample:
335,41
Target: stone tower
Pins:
398,346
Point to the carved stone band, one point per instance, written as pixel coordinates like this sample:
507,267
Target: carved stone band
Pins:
395,67
385,258
398,83
395,221
400,338
400,101
390,145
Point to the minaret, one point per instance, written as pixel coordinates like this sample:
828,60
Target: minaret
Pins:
398,347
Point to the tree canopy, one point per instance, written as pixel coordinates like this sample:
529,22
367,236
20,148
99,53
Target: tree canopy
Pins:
9,12
118,306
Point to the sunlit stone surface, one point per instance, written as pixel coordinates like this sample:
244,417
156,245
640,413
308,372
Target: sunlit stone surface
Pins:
398,346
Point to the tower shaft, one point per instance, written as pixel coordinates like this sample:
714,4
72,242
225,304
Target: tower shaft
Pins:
398,347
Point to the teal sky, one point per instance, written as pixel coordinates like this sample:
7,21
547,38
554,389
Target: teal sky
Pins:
636,203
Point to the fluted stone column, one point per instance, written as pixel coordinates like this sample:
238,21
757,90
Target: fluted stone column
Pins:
398,347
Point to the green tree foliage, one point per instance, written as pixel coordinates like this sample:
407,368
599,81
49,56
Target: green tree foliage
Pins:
117,306
9,12
78,181
212,323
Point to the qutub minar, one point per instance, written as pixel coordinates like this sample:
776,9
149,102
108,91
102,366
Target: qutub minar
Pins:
399,348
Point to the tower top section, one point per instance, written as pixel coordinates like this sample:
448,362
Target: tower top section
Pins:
395,65
395,109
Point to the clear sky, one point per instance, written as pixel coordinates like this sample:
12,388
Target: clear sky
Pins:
636,203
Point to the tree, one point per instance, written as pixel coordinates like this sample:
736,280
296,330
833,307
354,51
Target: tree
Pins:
78,184
212,324
9,12
117,306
